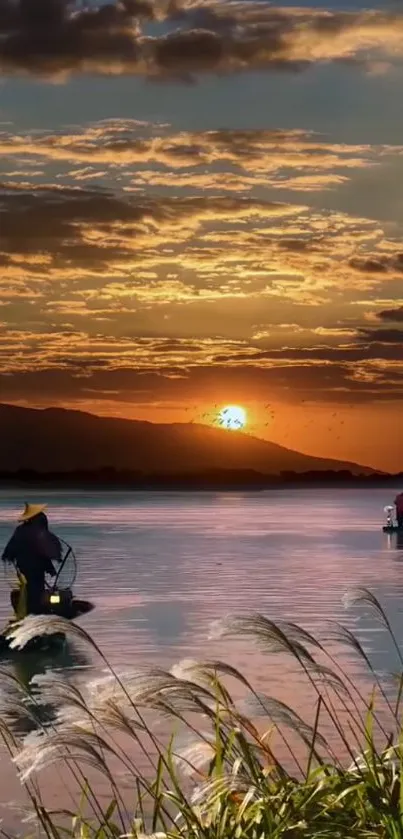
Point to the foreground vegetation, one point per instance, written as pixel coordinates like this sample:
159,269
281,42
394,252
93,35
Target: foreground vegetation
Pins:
238,764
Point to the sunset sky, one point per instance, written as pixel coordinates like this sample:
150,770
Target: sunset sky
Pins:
201,204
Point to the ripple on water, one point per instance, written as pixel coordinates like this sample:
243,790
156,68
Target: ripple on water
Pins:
161,567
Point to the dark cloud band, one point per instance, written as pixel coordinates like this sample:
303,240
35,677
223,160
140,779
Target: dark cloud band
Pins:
54,37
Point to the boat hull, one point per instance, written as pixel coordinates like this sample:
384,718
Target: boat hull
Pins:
60,603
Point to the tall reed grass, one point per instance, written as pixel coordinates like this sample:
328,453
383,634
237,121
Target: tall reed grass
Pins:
249,767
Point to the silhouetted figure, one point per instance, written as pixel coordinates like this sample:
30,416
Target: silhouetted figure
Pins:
33,549
399,509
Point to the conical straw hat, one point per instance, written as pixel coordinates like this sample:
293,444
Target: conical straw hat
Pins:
32,510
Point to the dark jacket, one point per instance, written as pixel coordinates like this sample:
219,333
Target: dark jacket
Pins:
32,548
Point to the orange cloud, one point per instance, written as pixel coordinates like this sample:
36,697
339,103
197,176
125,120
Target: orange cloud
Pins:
128,142
117,289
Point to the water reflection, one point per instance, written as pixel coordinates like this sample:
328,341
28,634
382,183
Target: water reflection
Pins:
399,540
395,542
24,666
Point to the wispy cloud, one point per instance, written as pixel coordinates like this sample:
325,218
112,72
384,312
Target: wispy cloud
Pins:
147,224
159,260
120,142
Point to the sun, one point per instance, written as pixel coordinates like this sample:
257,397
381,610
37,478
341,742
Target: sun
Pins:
232,417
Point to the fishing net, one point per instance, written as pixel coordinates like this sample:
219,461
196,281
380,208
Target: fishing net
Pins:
66,570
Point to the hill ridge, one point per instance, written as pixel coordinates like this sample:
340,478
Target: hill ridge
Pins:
63,439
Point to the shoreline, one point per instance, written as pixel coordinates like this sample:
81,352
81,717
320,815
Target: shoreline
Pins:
97,483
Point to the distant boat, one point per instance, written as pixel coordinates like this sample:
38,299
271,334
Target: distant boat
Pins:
391,525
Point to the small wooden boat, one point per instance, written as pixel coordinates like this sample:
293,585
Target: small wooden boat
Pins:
391,525
58,599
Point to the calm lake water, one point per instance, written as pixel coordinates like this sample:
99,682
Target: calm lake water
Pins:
160,567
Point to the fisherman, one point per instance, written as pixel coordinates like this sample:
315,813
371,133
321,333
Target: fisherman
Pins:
399,509
32,549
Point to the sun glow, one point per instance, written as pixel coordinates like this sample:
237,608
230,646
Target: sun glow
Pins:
232,417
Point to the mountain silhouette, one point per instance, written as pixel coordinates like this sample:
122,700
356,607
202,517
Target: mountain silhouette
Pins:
60,440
